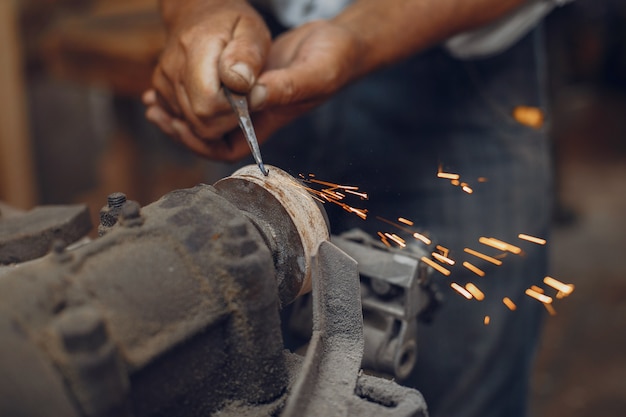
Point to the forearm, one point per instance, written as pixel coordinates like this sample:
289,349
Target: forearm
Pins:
390,31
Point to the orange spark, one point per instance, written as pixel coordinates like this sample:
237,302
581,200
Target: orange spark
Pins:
363,196
383,238
435,266
423,238
538,296
499,244
399,241
405,221
467,189
559,286
509,303
488,242
482,179
529,116
448,175
532,239
537,289
455,182
474,269
483,256
443,259
362,213
461,290
333,194
475,291
487,320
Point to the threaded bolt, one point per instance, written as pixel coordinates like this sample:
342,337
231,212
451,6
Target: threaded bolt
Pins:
116,200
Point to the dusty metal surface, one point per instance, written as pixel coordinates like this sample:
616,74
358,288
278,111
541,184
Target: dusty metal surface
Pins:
173,311
396,292
185,289
330,382
30,235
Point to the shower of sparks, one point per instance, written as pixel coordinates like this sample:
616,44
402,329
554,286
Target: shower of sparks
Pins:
416,235
461,290
435,266
475,291
335,193
483,256
443,259
329,192
405,221
538,296
474,269
562,288
509,303
500,245
532,239
455,179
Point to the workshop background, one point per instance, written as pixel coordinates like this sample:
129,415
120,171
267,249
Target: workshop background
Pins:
72,131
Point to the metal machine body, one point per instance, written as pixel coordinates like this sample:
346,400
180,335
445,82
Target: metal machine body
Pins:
174,311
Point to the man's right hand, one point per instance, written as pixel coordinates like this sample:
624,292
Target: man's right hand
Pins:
210,43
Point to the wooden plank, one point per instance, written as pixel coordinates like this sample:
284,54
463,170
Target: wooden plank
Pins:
17,176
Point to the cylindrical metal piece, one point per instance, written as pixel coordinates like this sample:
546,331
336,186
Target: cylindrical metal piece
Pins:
116,200
291,221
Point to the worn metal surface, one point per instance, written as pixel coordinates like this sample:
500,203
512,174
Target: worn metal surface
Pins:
290,220
330,382
395,290
185,289
174,312
30,235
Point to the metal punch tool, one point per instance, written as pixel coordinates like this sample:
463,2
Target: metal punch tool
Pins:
240,106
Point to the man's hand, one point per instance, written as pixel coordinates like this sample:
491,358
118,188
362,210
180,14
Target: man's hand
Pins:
305,66
210,44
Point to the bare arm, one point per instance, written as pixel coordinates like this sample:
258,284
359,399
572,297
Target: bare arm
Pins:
300,69
390,31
